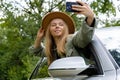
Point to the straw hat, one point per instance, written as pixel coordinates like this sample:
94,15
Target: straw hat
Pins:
52,15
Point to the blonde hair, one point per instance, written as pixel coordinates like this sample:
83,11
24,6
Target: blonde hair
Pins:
49,42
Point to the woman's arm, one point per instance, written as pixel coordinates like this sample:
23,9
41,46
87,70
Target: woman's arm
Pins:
84,35
38,46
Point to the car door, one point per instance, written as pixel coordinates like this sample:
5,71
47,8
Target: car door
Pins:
105,67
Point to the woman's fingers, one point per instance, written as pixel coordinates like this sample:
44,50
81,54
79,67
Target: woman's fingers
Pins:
80,2
40,33
84,9
78,8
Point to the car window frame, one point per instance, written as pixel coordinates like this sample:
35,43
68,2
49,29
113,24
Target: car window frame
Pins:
95,57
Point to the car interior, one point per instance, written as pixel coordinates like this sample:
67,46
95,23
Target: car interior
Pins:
95,67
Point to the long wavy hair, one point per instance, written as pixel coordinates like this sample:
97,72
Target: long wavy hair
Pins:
49,42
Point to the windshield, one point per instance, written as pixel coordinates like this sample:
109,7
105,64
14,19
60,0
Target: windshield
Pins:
110,37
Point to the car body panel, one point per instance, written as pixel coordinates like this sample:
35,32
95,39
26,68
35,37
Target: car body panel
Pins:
101,54
118,74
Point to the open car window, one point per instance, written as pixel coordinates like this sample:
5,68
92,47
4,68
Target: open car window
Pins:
95,66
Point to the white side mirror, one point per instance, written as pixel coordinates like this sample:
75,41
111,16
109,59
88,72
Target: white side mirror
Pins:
69,66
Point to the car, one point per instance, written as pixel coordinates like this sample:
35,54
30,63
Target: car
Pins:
103,53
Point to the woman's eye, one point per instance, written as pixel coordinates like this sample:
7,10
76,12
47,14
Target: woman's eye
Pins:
52,24
61,24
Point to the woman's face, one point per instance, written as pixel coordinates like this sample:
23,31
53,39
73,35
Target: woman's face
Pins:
57,27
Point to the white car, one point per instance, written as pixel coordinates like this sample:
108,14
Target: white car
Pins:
103,52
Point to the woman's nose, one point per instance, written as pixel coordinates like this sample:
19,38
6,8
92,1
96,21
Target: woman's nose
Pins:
57,26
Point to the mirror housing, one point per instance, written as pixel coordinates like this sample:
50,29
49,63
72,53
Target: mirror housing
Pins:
69,66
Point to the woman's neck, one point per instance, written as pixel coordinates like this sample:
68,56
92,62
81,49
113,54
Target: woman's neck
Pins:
57,40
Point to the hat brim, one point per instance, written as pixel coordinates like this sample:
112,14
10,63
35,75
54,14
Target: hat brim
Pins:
52,15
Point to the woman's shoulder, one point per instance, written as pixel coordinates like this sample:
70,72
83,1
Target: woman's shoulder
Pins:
70,36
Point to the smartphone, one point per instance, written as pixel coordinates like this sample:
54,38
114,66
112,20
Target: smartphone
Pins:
69,6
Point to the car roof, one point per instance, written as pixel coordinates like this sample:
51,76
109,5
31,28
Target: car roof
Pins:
110,36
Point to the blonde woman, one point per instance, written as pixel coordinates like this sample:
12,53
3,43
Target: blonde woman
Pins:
61,40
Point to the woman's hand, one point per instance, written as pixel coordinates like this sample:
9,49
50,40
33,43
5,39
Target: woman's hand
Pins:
40,35
85,10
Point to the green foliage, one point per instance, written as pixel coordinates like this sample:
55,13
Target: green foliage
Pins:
103,6
112,23
43,72
18,31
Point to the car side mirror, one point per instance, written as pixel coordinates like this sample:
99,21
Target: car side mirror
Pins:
69,66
